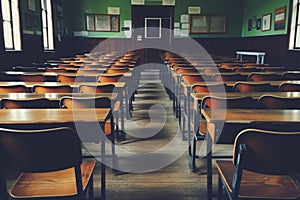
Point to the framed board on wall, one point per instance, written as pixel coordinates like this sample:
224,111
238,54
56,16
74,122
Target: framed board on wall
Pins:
102,22
207,23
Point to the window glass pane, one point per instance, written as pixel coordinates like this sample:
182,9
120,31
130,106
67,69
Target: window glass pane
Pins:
45,38
297,42
8,41
44,18
5,10
16,25
298,21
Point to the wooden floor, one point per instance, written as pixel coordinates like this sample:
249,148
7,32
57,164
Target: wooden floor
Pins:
174,181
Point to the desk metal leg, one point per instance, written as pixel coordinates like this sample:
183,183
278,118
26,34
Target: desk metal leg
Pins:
209,167
103,174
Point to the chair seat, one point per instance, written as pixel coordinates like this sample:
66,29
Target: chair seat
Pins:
262,185
51,184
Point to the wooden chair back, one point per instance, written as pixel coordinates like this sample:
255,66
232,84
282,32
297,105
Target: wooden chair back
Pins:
77,78
77,103
51,89
214,102
229,77
269,152
117,70
28,103
108,88
194,78
290,76
209,88
56,70
252,87
109,78
289,87
13,88
30,77
187,70
276,102
263,77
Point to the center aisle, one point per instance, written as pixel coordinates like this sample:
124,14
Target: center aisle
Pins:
174,181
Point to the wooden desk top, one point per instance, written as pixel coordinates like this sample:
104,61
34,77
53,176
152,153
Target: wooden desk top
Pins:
72,84
51,74
251,115
47,116
54,96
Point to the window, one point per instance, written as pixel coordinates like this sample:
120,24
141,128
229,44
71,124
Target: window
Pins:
11,24
295,26
47,25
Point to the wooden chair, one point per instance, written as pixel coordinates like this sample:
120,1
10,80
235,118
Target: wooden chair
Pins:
96,102
56,70
187,70
77,78
41,89
28,103
194,78
289,87
117,70
244,69
262,165
214,102
290,75
50,161
229,65
229,77
252,87
276,102
30,77
210,88
273,69
13,88
108,88
256,76
109,78
26,69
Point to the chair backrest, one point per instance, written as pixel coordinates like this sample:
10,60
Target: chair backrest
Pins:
108,88
56,70
229,77
269,152
51,89
290,76
272,69
205,88
194,78
39,150
28,103
25,69
229,65
187,70
233,102
109,78
91,102
289,87
117,70
255,76
276,102
13,88
30,77
77,78
244,69
252,87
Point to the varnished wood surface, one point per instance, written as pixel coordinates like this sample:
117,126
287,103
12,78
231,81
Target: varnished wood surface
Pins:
55,116
51,74
55,96
251,115
52,184
260,185
72,84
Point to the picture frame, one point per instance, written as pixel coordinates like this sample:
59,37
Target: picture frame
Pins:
258,24
266,22
254,22
31,5
207,24
249,24
279,18
102,22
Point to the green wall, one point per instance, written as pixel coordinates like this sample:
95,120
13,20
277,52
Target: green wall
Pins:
75,17
259,8
232,10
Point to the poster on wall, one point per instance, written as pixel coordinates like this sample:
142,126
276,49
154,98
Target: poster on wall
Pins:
279,18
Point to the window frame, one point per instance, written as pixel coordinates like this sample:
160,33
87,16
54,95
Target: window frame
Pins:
295,26
14,22
48,38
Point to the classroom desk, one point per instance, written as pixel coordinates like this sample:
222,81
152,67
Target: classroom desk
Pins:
259,56
248,117
62,117
120,86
